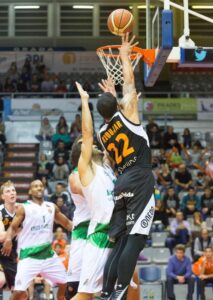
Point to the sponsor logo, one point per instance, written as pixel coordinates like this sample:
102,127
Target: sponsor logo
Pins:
148,218
40,227
127,164
122,195
200,55
130,219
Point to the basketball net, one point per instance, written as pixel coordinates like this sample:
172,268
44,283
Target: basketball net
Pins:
110,58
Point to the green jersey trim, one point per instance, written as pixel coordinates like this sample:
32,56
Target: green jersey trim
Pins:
43,251
100,236
80,231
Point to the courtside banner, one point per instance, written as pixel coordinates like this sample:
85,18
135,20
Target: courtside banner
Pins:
205,108
174,108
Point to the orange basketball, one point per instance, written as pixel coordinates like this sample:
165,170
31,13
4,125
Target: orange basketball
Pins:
120,21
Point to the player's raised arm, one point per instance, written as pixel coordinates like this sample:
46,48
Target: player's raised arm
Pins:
129,102
12,230
84,163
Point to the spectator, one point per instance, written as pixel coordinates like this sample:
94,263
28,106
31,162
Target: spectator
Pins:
62,123
47,85
190,202
43,166
200,182
46,130
174,158
47,189
62,254
187,140
195,157
62,207
180,232
13,74
155,137
60,169
61,136
75,130
171,202
150,125
2,134
60,238
61,151
179,271
160,216
183,178
60,191
201,243
209,167
207,203
170,138
26,77
197,223
35,85
9,86
164,177
61,88
203,268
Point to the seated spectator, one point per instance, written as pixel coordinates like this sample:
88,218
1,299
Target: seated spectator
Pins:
61,88
2,134
164,177
75,129
209,167
207,203
200,182
201,243
61,151
197,223
179,271
160,217
25,77
171,202
13,74
62,207
150,125
61,136
9,87
39,281
43,166
62,123
59,238
203,268
155,137
174,158
194,157
183,179
35,85
187,139
180,232
60,191
190,202
62,254
47,189
47,85
46,130
170,138
60,169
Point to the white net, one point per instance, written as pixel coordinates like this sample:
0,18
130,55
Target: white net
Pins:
112,63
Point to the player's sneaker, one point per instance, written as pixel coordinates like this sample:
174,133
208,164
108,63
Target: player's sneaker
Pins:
120,293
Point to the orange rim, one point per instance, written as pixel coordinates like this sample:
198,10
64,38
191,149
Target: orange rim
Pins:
148,55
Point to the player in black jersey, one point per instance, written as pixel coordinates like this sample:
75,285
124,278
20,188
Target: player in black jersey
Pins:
7,213
127,143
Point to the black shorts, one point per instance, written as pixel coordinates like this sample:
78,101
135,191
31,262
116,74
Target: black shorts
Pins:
9,266
134,203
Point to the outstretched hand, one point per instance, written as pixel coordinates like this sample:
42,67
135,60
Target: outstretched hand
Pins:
84,95
107,85
126,46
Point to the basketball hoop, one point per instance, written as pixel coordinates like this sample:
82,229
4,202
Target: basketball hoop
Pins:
110,58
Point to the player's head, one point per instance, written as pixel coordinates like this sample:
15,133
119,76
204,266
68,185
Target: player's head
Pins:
107,105
8,192
76,151
36,190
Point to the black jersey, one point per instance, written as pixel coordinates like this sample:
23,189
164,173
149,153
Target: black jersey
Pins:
7,219
127,143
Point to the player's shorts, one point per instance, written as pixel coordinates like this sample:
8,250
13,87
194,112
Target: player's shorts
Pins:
134,203
94,259
75,260
51,269
9,266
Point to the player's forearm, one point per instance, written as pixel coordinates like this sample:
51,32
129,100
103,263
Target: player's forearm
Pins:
128,74
11,232
2,236
87,127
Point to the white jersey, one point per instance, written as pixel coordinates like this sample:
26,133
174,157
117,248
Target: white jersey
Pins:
99,195
82,211
37,227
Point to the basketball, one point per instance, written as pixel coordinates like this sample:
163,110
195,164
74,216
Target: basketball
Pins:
120,21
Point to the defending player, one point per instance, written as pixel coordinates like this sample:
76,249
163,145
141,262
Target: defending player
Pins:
127,143
97,180
34,242
80,224
7,213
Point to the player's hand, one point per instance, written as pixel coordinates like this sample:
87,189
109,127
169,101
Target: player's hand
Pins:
126,47
108,86
7,247
84,95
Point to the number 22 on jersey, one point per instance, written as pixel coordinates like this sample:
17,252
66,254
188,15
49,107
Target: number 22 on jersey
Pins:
125,151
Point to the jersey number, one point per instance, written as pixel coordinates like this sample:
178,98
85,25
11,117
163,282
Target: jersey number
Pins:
125,151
